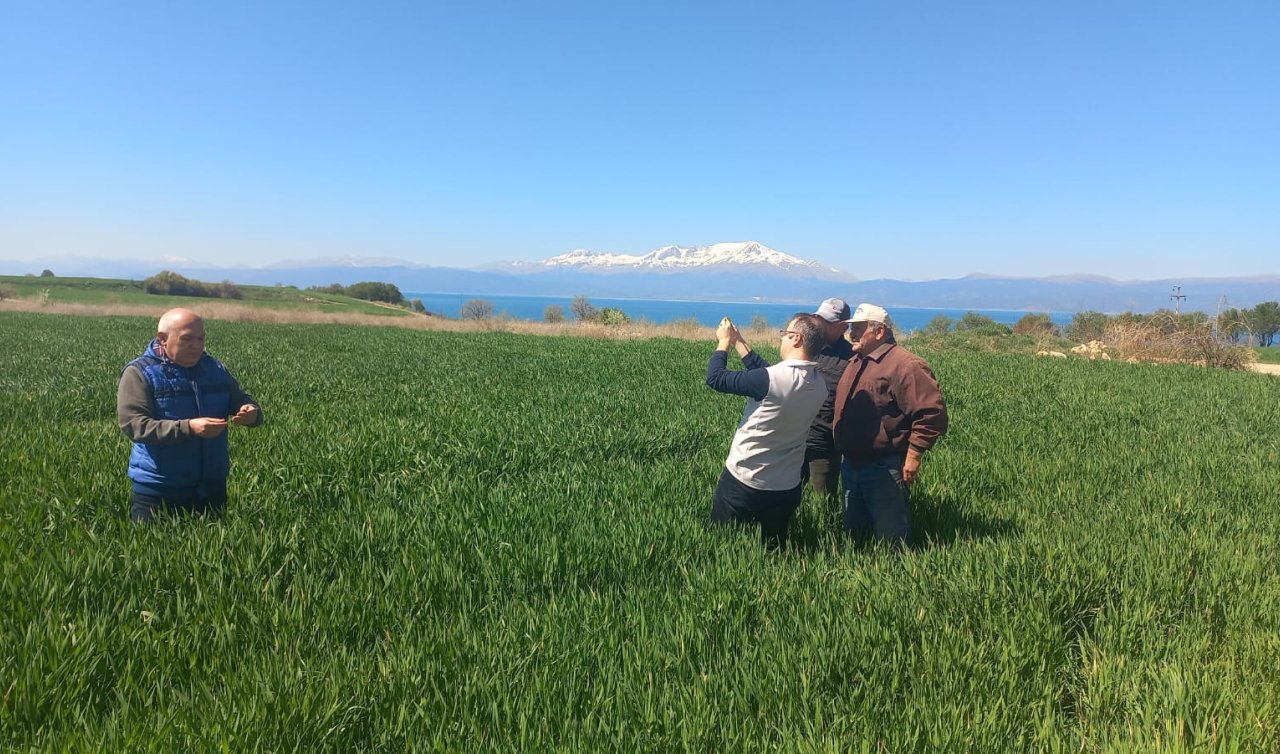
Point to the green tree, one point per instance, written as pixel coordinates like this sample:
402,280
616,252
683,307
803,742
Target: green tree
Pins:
46,273
612,315
417,307
1264,320
1233,324
372,291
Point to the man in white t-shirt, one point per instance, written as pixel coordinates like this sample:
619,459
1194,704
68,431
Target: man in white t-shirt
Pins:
761,482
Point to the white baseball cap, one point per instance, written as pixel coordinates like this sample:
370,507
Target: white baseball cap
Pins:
869,313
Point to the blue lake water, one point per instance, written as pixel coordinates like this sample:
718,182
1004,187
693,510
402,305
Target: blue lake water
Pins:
706,312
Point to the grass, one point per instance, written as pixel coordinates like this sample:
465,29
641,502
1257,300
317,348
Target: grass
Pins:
485,541
1269,355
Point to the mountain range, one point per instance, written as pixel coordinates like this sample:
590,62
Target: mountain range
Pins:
741,271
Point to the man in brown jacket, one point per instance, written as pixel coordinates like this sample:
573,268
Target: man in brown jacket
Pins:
888,411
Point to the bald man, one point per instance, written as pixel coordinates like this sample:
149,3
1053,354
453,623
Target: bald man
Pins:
173,403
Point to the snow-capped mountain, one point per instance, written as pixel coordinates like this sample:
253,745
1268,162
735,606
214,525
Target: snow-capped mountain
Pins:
745,256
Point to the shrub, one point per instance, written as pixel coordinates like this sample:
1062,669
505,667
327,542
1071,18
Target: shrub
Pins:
417,307
1086,326
169,283
553,314
612,315
1165,337
1035,324
476,308
981,324
939,325
5,292
46,273
583,310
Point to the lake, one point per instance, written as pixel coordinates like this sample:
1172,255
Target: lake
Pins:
706,312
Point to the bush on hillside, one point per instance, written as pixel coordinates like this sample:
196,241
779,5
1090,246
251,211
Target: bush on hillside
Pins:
1086,326
366,291
370,291
981,324
1035,324
939,325
169,283
612,315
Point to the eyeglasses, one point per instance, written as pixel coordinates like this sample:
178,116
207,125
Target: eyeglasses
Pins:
788,332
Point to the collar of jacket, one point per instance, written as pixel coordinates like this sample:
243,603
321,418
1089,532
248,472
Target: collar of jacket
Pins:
880,351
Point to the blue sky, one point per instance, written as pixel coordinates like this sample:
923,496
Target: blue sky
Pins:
897,139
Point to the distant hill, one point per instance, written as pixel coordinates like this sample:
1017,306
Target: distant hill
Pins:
721,272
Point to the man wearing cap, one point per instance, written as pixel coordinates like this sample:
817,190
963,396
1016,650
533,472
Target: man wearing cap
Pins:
888,411
761,480
822,459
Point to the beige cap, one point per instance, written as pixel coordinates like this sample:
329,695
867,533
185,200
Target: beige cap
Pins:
870,313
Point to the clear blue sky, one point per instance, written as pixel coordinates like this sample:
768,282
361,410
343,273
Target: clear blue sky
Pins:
895,139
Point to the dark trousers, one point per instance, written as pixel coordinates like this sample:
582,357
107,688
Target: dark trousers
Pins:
735,503
210,500
822,469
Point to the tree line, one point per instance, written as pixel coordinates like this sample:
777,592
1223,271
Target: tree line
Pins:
169,283
1257,326
366,291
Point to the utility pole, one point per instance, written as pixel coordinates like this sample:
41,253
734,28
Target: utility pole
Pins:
1177,298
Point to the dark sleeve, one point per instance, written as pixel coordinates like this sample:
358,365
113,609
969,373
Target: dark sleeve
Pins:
239,397
754,360
927,407
134,413
753,383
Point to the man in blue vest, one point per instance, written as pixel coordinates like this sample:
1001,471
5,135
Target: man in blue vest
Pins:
173,403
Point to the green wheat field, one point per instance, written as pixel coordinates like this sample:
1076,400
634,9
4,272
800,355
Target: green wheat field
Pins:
491,542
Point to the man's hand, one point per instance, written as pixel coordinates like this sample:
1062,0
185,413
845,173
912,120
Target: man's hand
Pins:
247,416
207,427
911,466
726,333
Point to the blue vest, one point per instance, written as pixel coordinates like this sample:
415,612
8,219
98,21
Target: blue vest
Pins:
183,393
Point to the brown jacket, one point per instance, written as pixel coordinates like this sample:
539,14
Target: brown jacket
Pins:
886,401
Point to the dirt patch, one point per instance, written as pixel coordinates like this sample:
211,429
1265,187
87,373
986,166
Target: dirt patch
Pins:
1266,368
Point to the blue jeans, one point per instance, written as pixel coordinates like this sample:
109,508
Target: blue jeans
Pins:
876,502
210,500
